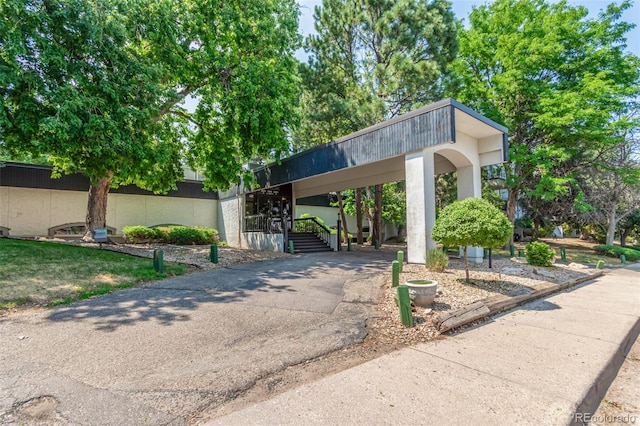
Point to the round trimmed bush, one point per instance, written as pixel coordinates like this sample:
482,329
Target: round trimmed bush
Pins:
539,254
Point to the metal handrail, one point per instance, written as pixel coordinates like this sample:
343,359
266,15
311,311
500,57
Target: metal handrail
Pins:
312,225
263,223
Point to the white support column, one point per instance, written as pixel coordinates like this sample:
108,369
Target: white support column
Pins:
470,185
421,206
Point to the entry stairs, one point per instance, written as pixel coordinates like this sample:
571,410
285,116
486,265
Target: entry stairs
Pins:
307,242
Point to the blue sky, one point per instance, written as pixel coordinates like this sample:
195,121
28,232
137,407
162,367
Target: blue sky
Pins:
462,8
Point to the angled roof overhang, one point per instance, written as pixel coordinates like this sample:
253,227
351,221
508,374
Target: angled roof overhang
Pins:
376,154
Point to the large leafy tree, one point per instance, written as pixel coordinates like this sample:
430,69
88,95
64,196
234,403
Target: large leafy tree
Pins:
558,81
99,87
370,61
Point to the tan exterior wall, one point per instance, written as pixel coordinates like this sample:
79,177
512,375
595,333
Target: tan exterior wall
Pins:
31,212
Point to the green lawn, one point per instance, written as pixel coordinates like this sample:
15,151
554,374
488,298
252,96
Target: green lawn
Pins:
50,274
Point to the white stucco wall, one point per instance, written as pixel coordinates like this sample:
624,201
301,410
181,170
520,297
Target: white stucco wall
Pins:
31,212
260,241
230,211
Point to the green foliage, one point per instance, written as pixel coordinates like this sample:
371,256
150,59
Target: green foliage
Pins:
437,260
472,222
562,84
191,235
99,87
138,234
182,235
615,251
539,254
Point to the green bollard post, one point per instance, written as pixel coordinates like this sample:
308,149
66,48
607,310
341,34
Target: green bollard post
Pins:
400,258
377,245
213,254
158,261
520,253
600,264
395,273
623,258
563,254
291,247
485,253
405,306
445,249
348,244
512,250
155,260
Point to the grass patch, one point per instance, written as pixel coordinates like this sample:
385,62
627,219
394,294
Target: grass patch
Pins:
52,274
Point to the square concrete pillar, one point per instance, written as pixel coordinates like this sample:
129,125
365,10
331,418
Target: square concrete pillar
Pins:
421,204
470,185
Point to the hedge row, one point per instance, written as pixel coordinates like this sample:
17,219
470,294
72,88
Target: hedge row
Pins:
615,251
181,235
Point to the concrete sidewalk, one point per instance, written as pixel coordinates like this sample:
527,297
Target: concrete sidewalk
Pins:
547,362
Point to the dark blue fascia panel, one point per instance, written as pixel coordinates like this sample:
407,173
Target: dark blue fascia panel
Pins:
428,126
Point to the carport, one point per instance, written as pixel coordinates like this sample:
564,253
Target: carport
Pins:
439,138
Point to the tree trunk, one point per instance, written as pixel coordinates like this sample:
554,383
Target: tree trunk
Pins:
466,264
378,214
343,217
623,237
359,239
611,226
512,202
97,207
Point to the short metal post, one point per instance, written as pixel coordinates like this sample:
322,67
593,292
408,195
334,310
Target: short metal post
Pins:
291,247
563,253
339,236
512,250
520,253
213,254
400,258
485,253
376,244
348,244
490,256
404,302
395,273
445,249
158,260
623,258
600,264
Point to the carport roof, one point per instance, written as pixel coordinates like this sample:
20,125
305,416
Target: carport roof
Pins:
430,125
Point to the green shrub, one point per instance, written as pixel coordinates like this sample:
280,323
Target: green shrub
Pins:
183,235
437,260
138,234
615,251
539,254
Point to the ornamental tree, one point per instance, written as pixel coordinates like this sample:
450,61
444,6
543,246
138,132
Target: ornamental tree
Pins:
472,222
561,82
99,87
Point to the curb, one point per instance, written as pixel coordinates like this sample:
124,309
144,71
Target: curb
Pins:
495,304
594,395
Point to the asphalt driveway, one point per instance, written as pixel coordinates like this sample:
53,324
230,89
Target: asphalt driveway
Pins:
159,353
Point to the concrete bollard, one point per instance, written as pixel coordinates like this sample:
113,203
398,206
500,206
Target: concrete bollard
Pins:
400,259
395,273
